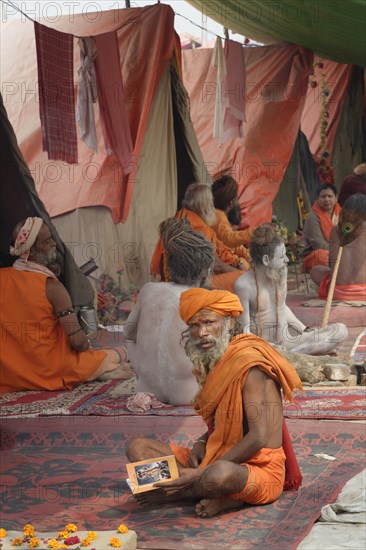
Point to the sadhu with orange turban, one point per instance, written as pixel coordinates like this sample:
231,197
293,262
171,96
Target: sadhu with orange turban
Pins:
270,469
221,301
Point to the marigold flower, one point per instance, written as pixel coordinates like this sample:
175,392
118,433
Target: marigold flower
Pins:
123,529
2,533
34,542
115,542
86,542
92,535
53,543
71,528
17,541
28,530
63,535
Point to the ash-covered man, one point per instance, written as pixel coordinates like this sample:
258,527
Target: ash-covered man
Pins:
241,458
262,292
42,344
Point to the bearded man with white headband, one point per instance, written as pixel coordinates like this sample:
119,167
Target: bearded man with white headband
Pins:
246,454
43,345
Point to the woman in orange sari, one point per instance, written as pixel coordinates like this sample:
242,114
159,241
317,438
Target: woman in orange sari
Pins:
319,224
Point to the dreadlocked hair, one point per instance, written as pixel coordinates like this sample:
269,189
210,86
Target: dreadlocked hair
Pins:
264,240
351,218
189,256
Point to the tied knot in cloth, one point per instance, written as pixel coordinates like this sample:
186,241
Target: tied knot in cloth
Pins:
26,238
220,301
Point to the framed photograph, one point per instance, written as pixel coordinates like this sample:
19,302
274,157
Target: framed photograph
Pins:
142,475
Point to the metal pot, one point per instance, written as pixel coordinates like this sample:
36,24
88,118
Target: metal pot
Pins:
88,320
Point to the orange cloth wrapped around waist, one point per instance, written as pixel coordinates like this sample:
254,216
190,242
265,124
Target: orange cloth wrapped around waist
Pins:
266,477
266,474
342,292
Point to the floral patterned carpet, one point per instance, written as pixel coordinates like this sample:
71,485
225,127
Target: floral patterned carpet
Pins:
57,470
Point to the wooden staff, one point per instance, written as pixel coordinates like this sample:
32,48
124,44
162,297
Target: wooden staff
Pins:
328,304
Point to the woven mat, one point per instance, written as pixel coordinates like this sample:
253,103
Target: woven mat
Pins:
45,403
73,471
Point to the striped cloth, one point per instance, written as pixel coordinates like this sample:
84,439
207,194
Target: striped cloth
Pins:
56,93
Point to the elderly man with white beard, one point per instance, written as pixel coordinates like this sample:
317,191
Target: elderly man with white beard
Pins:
43,346
246,455
262,292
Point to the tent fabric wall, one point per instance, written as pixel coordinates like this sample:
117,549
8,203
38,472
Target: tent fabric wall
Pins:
91,232
333,29
349,139
18,200
277,82
190,165
300,175
97,179
338,78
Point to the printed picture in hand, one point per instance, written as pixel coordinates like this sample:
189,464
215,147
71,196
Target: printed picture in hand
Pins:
143,474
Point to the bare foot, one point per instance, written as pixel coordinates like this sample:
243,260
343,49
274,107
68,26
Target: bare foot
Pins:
213,506
122,372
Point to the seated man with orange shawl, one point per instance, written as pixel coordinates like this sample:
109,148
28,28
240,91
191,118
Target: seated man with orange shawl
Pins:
245,456
43,346
198,209
318,226
225,194
350,233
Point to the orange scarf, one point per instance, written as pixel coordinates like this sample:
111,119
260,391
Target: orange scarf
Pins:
326,223
221,395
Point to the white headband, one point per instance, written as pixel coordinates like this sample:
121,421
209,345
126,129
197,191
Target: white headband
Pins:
26,237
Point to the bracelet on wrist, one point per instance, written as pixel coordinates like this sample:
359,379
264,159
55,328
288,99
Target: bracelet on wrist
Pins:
201,441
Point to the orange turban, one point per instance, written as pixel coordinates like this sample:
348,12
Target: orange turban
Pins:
221,301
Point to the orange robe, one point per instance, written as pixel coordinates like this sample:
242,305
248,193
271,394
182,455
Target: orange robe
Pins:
220,402
223,280
321,256
231,238
35,350
352,292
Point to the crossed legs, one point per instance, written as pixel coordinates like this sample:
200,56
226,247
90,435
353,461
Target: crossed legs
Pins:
209,486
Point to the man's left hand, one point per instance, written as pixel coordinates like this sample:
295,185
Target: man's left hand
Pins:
188,477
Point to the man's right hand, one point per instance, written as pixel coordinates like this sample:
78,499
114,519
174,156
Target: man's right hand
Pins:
197,454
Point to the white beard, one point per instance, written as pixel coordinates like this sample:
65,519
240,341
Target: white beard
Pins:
204,361
277,276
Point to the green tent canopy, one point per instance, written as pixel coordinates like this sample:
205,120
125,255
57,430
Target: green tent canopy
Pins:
334,29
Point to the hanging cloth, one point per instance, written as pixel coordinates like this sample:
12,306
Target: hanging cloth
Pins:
233,90
56,93
87,93
218,61
113,112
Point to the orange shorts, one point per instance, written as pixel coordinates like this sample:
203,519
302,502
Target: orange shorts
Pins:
266,474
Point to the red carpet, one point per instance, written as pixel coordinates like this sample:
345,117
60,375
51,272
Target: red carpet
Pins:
330,403
70,469
44,403
94,399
